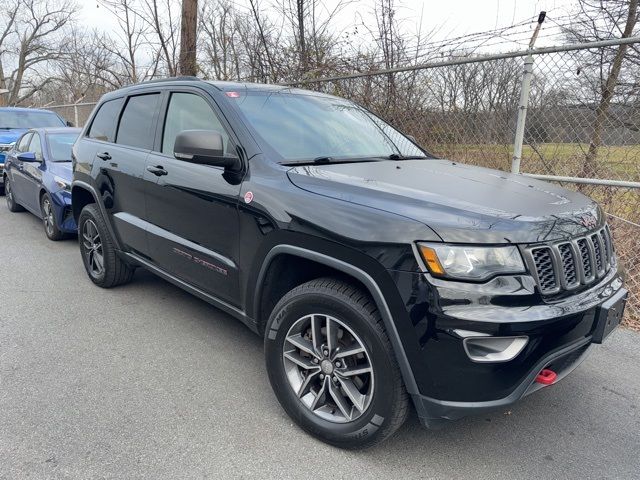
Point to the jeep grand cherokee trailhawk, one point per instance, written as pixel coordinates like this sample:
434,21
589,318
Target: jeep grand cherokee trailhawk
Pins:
378,275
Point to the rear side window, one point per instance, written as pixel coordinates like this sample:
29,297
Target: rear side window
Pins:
137,122
103,126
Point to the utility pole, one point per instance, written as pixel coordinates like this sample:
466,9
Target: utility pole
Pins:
188,28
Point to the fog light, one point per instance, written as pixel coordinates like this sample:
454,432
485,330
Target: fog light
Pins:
494,349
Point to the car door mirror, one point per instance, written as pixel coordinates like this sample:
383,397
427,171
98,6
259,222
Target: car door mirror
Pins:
70,124
205,147
29,157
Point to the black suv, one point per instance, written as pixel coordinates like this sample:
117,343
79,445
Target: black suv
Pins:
376,273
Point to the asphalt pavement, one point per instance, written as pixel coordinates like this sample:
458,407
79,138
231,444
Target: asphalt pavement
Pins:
147,381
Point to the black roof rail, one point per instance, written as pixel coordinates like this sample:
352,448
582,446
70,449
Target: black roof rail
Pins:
168,79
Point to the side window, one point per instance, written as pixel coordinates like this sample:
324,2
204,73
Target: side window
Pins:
35,146
23,144
137,122
188,111
103,126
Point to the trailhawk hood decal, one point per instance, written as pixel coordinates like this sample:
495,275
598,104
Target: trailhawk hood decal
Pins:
461,203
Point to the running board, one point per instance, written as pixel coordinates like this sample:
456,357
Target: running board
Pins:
216,302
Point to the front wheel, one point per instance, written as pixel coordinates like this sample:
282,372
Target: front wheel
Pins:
49,221
332,367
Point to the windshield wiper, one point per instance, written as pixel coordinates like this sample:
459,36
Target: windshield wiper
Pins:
398,156
323,159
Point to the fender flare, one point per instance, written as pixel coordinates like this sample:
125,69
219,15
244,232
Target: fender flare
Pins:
96,198
369,283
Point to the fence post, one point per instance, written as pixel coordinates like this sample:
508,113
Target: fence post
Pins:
525,90
75,115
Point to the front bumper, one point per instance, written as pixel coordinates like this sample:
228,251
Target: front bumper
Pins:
64,213
450,385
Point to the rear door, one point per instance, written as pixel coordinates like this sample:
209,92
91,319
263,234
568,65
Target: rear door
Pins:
119,168
192,208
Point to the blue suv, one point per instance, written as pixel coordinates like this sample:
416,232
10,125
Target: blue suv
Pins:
14,121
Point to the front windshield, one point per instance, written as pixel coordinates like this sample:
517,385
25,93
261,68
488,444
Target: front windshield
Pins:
302,127
60,146
29,119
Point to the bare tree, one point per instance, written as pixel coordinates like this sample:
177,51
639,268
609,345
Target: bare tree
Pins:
31,38
135,61
602,20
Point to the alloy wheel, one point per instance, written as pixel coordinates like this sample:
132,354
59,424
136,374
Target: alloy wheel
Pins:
328,368
47,211
92,244
8,192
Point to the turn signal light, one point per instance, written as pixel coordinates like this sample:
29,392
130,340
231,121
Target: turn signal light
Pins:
429,255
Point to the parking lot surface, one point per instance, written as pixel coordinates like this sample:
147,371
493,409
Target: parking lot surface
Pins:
147,381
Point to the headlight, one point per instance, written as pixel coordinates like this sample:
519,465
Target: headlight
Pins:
62,183
466,262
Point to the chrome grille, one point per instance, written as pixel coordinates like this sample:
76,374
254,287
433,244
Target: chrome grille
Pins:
569,264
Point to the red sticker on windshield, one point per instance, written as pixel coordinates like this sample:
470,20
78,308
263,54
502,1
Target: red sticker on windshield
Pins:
248,197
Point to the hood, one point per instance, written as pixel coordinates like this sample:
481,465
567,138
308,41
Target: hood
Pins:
461,203
63,170
10,135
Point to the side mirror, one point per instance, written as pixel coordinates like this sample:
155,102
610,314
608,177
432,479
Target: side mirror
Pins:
29,157
70,124
204,147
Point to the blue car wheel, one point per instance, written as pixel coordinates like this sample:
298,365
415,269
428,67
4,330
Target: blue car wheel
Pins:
12,205
51,228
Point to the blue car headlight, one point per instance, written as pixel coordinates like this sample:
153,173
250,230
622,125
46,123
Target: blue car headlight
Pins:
62,183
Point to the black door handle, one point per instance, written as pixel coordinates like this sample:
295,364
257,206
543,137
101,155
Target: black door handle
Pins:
158,170
104,156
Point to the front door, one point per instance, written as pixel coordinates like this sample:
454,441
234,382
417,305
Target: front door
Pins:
32,172
193,215
18,178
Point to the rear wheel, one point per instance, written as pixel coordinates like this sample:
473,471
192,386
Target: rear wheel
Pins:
332,367
12,205
104,267
49,221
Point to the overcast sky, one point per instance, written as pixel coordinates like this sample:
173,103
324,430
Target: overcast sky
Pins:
444,18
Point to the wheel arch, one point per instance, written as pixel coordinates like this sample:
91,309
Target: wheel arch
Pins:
326,264
83,194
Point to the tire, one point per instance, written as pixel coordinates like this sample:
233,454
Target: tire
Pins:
49,221
104,267
12,205
354,318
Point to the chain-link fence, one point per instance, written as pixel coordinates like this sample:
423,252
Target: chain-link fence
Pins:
466,109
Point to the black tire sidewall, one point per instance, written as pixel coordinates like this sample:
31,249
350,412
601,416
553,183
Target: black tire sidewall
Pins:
342,434
88,213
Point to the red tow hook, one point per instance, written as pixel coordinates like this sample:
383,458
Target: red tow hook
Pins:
546,377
